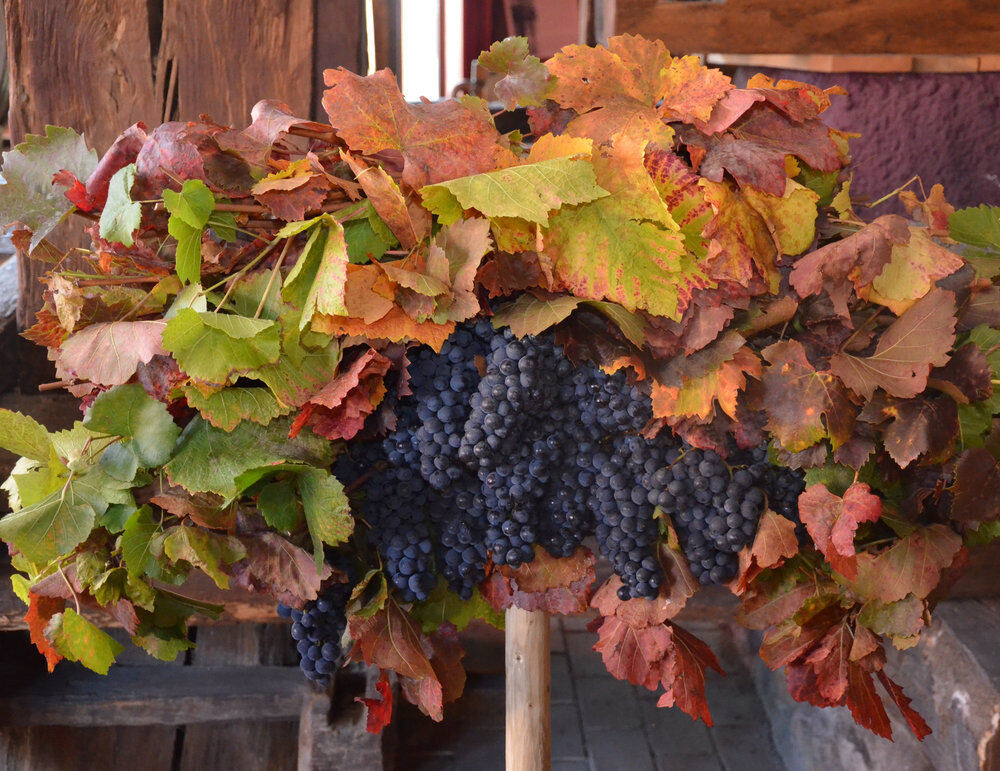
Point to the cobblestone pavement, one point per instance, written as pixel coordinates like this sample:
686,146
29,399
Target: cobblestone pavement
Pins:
600,723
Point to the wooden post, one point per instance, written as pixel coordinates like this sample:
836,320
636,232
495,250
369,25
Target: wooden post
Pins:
528,730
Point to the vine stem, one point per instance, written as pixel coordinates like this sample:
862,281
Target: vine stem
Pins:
56,385
275,271
119,280
864,325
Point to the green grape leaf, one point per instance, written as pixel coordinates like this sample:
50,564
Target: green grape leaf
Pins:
54,525
526,82
209,459
79,640
28,195
327,510
214,346
979,228
444,605
120,462
530,191
113,520
129,412
279,505
226,408
137,541
204,549
299,374
318,281
190,210
25,436
121,216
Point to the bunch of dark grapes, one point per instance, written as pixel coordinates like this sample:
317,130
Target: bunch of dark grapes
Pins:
318,630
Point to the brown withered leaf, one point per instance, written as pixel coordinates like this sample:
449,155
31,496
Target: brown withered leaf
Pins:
40,612
797,399
340,408
912,565
445,653
204,509
914,343
977,487
277,566
968,371
921,428
546,583
438,141
408,224
502,274
774,543
697,395
916,723
854,261
833,520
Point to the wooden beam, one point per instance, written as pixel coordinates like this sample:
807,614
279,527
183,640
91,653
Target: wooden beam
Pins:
153,695
817,26
528,746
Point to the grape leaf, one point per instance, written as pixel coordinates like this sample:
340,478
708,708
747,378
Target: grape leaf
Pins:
54,525
697,396
40,612
546,583
379,710
912,271
857,259
979,228
977,487
919,339
28,195
136,541
280,506
327,510
443,605
391,639
679,188
833,520
189,210
209,459
924,428
204,549
317,282
293,190
24,436
408,224
226,408
624,247
445,654
129,412
277,566
438,141
293,379
912,566
797,398
901,619
340,408
915,722
531,315
774,542
108,353
121,216
526,82
529,191
214,346
690,91
79,640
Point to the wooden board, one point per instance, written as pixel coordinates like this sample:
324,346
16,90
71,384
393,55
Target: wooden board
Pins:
72,696
48,748
861,62
816,26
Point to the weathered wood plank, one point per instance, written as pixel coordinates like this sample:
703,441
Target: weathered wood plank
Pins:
61,748
154,695
341,41
817,26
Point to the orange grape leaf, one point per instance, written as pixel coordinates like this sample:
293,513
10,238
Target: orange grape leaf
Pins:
689,90
408,224
438,141
697,395
40,613
832,521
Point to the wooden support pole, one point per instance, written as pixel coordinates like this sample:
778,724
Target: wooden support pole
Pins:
527,654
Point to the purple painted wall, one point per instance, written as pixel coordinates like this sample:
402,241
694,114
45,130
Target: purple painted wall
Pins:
946,128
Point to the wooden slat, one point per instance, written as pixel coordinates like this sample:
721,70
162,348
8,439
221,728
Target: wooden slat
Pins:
154,696
817,26
61,748
340,42
387,34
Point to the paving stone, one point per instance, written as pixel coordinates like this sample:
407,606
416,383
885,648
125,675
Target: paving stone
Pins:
619,751
562,680
567,738
670,731
585,661
607,703
747,746
692,763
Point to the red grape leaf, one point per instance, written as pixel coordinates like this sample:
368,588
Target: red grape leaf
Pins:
379,710
205,509
832,521
502,274
108,353
686,689
546,583
977,487
390,639
855,260
271,118
438,141
729,109
799,101
122,152
698,395
797,399
924,428
768,602
445,654
774,543
689,91
913,565
795,637
277,566
292,191
526,82
830,660
40,613
340,408
933,211
919,339
916,723
169,153
865,704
